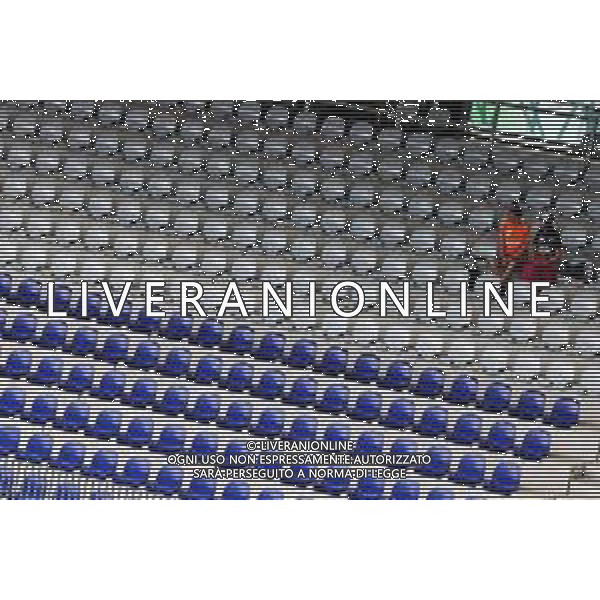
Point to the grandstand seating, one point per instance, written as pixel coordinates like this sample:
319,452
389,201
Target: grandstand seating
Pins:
129,191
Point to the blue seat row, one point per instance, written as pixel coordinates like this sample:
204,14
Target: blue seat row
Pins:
177,363
271,347
146,355
411,490
108,423
505,479
206,408
172,439
135,472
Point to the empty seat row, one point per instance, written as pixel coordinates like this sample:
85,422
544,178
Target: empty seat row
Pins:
497,397
71,457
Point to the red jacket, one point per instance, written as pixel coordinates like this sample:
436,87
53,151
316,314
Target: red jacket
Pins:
514,237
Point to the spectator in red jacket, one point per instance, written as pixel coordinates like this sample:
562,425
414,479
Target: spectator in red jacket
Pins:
546,254
513,241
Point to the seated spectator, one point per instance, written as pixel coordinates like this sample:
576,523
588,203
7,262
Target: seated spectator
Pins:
513,242
545,256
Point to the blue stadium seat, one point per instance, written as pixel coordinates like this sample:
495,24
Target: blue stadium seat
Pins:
530,406
111,385
496,398
564,413
397,376
535,445
114,349
18,364
271,347
336,433
500,437
239,378
48,372
240,340
302,354
9,439
67,491
302,429
75,417
11,402
334,361
134,473
270,424
138,432
334,399
400,415
38,448
208,370
173,402
367,407
168,481
106,425
203,444
466,430
405,490
103,464
2,322
270,495
123,318
365,369
145,323
368,488
439,464
303,392
270,385
440,494
84,341
236,490
170,440
146,356
237,416
210,333
199,489
430,383
403,446
369,443
463,391
23,328
505,479
33,488
233,448
205,409
433,422
178,327
177,363
28,293
79,379
143,393
43,410
61,300
470,470
5,285
53,335
94,307
70,456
